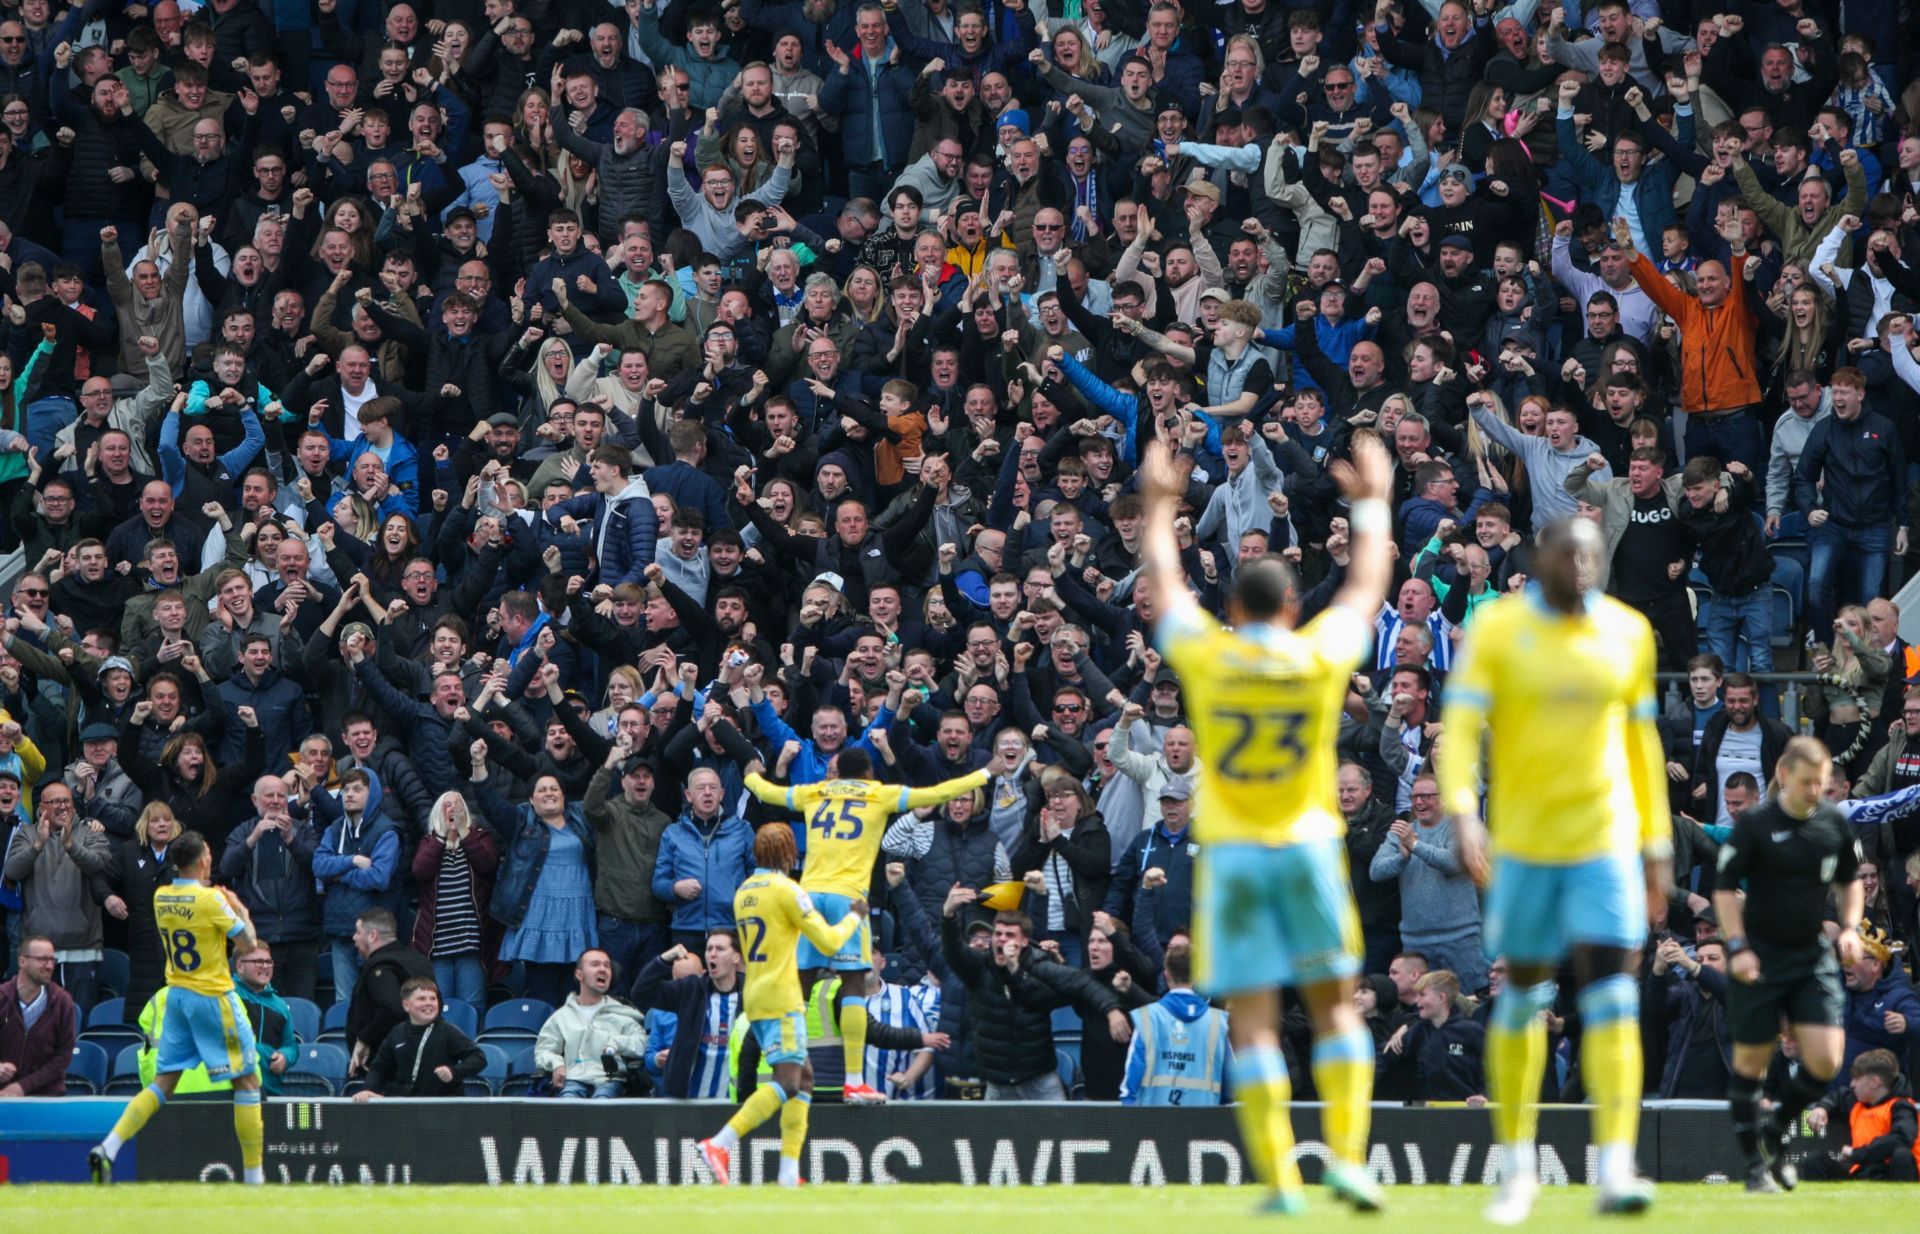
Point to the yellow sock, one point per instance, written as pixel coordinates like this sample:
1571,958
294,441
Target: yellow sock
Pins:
1343,1072
793,1125
1610,1059
1263,1089
853,1038
144,1105
250,1127
1515,1059
757,1109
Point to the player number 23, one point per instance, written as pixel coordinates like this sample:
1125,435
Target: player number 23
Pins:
836,820
1261,745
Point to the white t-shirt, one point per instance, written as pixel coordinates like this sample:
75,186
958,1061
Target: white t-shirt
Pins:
1738,752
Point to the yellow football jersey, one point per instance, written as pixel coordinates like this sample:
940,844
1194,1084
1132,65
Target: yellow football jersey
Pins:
845,820
195,923
1264,703
771,913
1577,769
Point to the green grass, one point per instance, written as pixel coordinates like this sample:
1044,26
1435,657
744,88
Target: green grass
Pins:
1694,1209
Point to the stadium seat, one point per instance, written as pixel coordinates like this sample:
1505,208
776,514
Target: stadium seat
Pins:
105,1030
519,1020
1066,1024
116,972
522,1076
494,1077
333,1023
125,1080
319,1070
86,1070
462,1017
1783,614
1063,1062
306,1017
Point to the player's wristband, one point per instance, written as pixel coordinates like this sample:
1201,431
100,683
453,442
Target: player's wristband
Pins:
1735,946
1370,515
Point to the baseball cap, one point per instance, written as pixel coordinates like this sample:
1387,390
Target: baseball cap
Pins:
977,926
1176,789
832,580
1165,676
456,214
8,773
1217,293
503,419
1203,188
1456,241
352,628
99,732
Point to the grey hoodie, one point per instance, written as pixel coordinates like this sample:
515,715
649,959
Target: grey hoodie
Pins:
53,880
1546,466
1790,433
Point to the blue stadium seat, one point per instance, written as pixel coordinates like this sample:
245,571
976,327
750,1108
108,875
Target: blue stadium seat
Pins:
306,1016
319,1070
116,972
519,1020
462,1017
1063,1063
494,1077
105,1030
86,1070
1066,1025
1783,615
522,1076
125,1080
333,1023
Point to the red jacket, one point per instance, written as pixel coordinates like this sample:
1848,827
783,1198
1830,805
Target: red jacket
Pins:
40,1056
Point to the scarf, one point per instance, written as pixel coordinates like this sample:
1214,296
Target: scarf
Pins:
1085,193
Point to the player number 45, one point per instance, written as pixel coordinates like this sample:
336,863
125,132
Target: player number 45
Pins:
836,820
1261,745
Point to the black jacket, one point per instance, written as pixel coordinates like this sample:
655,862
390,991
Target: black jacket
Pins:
1733,552
1379,903
1863,465
1773,739
404,1064
1088,853
1687,1008
686,998
1011,1014
274,879
1448,1061
375,1010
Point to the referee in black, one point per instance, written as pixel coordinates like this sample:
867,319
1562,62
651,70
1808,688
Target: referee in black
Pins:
1788,852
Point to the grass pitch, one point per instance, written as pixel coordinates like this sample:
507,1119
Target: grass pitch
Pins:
1696,1209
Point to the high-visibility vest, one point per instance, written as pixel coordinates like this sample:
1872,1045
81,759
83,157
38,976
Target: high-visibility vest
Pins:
1868,1123
1186,1061
819,1019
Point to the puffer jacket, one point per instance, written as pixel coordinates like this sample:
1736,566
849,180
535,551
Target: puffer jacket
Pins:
626,180
1011,1014
1446,77
577,1038
274,879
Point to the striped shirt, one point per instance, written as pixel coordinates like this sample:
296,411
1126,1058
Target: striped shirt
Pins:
1386,631
902,1006
709,1079
456,923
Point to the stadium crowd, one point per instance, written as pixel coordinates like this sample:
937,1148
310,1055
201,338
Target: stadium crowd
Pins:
449,442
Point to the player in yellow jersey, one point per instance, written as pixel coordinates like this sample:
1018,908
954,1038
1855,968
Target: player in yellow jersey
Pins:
1560,680
773,916
204,1022
1273,905
845,817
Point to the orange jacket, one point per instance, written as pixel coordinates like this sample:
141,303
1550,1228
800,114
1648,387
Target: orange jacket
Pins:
1868,1123
1718,371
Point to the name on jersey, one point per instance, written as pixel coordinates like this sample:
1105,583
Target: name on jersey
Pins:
181,909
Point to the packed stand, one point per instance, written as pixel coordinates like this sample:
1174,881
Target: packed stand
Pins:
449,445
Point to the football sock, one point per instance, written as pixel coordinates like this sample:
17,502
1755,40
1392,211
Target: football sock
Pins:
250,1127
1263,1089
757,1109
145,1105
1343,1072
1516,1056
1611,1066
1743,1101
853,1038
793,1133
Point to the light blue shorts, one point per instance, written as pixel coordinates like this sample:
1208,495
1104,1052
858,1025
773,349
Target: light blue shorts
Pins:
1536,913
1267,917
783,1040
200,1028
855,955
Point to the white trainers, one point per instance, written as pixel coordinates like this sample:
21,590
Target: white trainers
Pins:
1513,1202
